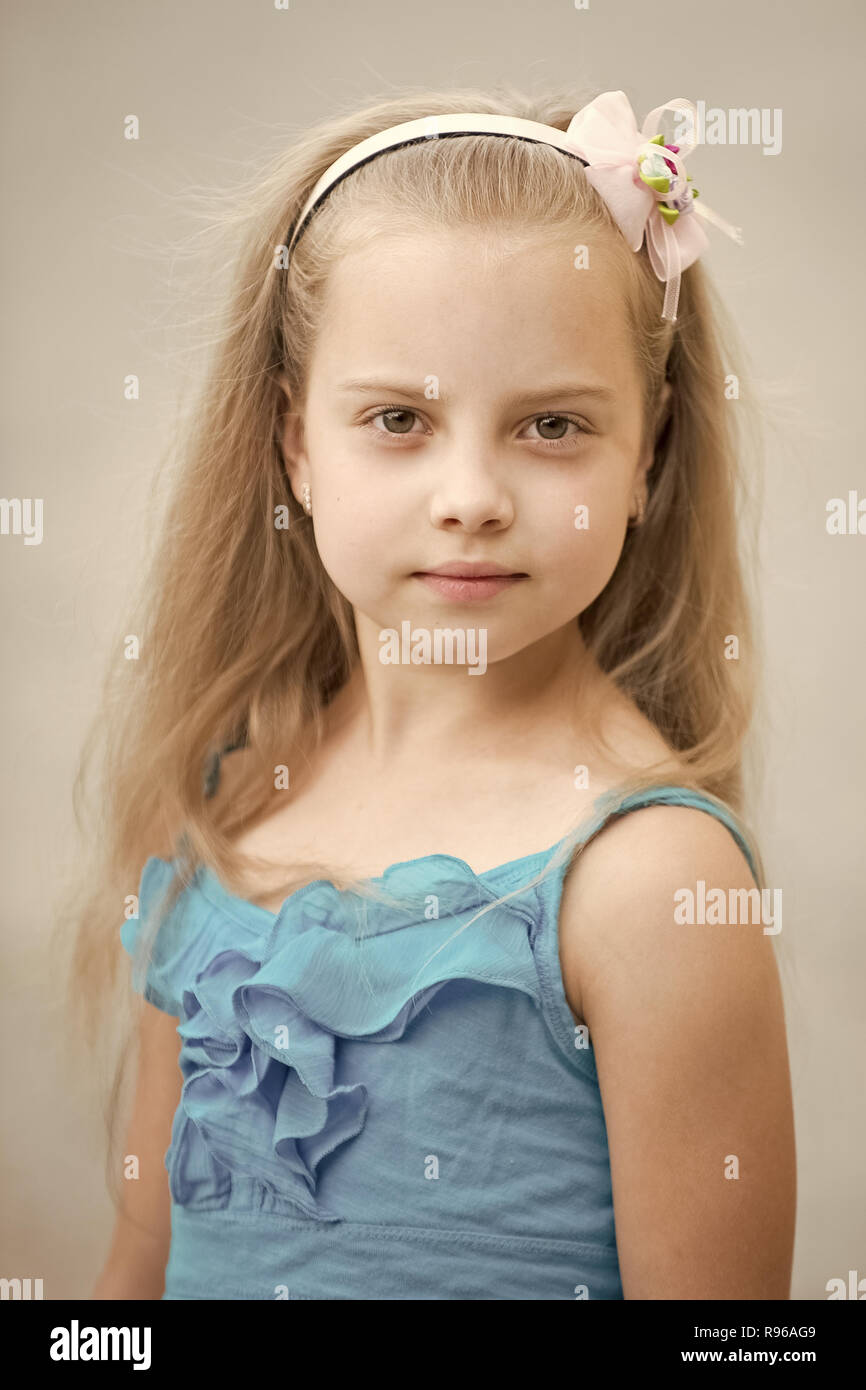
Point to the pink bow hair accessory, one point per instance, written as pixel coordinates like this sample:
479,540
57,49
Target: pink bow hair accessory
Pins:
645,186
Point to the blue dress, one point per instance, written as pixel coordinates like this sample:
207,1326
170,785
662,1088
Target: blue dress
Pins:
353,1126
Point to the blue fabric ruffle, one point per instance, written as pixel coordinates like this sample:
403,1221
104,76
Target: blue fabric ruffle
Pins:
263,998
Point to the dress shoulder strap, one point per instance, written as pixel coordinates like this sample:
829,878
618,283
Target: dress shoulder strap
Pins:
613,805
213,767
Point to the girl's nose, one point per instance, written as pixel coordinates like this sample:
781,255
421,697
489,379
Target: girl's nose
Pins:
472,493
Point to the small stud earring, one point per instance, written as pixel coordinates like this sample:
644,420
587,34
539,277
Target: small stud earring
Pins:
308,502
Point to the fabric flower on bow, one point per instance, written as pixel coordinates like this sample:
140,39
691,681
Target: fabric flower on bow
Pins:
644,184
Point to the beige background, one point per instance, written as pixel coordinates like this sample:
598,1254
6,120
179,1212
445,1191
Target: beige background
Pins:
91,294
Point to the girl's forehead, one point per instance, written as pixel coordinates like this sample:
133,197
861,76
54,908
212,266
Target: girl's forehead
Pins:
450,254
445,303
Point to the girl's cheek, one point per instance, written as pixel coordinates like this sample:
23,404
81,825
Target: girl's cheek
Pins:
587,554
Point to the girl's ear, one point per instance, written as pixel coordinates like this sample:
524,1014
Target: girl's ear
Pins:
664,406
663,412
294,457
292,442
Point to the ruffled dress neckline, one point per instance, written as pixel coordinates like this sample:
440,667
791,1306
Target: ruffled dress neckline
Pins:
262,1009
268,1001
451,873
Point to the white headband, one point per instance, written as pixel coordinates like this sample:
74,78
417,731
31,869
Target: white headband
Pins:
641,179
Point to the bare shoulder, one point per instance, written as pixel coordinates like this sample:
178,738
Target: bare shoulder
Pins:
620,897
686,1022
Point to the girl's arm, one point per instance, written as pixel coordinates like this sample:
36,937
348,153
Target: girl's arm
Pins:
135,1267
688,1029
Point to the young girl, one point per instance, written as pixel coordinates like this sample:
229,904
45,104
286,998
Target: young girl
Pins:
433,748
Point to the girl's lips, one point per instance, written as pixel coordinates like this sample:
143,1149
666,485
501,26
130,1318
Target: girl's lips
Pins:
466,590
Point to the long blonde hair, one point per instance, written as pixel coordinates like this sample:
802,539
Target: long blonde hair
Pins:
243,636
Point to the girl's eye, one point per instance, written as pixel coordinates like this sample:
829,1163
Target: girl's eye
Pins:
397,415
398,420
559,441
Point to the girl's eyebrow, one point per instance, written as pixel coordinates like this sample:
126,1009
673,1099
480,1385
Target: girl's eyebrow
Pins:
556,388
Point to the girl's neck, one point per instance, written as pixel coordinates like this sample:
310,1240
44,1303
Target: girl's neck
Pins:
387,726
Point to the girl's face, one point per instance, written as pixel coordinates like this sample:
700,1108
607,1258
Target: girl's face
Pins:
470,403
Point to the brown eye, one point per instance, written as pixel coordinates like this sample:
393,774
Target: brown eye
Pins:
552,431
556,421
400,419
